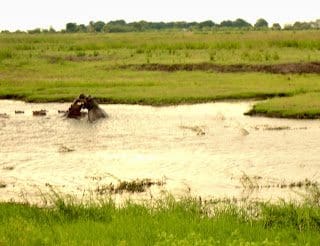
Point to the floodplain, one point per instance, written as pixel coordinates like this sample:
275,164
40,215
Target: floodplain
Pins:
185,163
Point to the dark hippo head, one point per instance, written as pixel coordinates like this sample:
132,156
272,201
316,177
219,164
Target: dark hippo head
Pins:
94,111
74,110
90,103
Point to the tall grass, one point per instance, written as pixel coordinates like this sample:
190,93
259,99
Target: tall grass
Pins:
187,221
6,54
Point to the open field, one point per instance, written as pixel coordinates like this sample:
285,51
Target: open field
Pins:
124,68
164,222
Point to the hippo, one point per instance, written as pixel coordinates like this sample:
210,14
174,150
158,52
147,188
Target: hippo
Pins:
94,111
85,102
74,110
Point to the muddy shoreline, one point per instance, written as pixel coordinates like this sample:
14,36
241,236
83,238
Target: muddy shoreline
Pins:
300,116
251,112
285,68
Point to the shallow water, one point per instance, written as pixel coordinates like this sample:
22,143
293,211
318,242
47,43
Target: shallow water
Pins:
204,149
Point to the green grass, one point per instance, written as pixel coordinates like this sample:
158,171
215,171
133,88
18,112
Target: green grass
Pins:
58,67
165,222
249,47
156,88
300,106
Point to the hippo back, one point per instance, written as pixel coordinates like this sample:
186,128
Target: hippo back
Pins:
96,113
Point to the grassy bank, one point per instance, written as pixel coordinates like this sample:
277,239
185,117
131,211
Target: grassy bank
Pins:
154,88
58,67
167,222
301,106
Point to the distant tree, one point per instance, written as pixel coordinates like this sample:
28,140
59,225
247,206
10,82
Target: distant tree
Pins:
34,31
157,25
154,25
82,28
192,24
180,24
240,23
90,27
117,22
71,27
140,26
276,26
52,30
301,25
6,31
120,26
226,23
261,23
207,23
288,27
98,26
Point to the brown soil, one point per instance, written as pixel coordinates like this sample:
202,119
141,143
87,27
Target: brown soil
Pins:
73,58
287,68
303,116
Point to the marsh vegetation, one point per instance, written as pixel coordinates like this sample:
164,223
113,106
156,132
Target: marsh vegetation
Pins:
167,221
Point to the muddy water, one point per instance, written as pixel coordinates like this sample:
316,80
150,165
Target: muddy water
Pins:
209,150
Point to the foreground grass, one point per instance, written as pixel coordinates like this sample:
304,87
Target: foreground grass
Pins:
58,67
168,222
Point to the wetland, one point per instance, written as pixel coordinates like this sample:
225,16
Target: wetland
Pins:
179,161
206,149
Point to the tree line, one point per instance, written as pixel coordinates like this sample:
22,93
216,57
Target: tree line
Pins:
122,26
141,26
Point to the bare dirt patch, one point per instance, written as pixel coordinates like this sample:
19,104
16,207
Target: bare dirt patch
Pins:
286,68
73,58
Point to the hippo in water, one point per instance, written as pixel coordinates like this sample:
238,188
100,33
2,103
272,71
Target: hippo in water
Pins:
74,110
94,111
85,102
